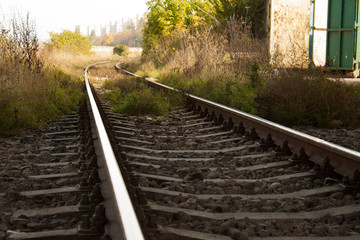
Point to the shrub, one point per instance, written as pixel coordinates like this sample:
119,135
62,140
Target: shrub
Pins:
232,68
30,94
300,98
121,50
71,42
132,97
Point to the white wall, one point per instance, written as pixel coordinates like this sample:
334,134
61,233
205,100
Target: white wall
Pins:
320,36
289,32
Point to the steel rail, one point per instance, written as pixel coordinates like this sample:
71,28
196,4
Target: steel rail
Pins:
343,160
124,209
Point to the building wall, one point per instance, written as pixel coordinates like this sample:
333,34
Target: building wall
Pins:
321,18
289,32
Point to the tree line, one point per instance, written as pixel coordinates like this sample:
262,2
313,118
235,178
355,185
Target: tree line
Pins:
168,17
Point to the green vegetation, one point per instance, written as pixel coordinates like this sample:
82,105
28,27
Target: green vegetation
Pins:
30,93
71,42
303,98
251,12
131,96
121,50
216,49
174,17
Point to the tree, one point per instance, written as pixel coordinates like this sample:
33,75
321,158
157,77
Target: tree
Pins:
167,17
108,39
92,36
69,41
131,25
252,12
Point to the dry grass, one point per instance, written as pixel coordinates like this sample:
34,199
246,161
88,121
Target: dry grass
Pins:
207,53
303,98
75,64
70,63
233,68
31,93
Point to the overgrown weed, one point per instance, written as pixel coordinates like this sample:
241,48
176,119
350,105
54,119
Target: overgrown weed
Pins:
131,96
233,68
71,63
30,93
303,98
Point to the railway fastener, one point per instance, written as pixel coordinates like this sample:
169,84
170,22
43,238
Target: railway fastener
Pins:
219,120
352,183
85,226
253,134
327,167
285,149
84,186
98,220
204,113
211,117
302,155
84,203
230,124
93,177
241,129
267,143
95,196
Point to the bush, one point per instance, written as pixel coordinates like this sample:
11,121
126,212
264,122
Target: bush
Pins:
71,42
132,97
235,72
300,98
30,94
121,50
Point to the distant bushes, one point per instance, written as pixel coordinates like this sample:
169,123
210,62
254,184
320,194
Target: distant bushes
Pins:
71,42
121,50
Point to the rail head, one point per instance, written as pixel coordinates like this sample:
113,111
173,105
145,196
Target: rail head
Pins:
343,160
125,210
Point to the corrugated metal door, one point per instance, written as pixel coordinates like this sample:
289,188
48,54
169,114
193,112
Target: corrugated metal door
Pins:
341,43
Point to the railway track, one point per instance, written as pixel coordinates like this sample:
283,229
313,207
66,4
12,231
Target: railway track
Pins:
51,187
204,172
59,183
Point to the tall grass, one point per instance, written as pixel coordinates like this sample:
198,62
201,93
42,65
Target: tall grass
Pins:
71,63
131,96
30,92
233,68
222,66
303,98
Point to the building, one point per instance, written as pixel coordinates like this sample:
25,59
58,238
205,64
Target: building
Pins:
77,28
315,33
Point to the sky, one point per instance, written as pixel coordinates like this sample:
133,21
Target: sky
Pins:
56,16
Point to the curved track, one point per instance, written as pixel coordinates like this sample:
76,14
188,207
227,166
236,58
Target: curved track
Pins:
205,172
212,172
